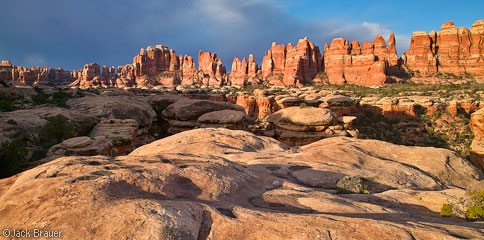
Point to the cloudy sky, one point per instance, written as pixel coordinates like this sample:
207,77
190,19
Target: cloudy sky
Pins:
71,33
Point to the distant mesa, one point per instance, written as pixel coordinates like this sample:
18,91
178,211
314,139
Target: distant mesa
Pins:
455,53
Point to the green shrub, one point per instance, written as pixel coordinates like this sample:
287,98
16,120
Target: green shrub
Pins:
37,89
57,129
476,209
79,93
475,213
12,156
351,184
303,105
4,84
12,122
40,98
6,105
60,98
446,210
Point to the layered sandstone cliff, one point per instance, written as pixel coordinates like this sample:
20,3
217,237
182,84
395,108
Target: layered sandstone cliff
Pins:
366,65
294,65
211,69
244,72
452,50
452,54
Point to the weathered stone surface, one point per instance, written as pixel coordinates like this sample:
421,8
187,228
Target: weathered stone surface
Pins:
115,107
477,146
231,119
121,133
223,184
82,146
91,76
297,126
223,117
192,109
184,114
29,122
308,116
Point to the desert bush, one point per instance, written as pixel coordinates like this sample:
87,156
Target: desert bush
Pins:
446,210
303,105
6,105
13,156
351,184
60,97
476,208
40,97
4,84
56,130
470,207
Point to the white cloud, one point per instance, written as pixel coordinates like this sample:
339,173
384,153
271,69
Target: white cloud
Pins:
365,31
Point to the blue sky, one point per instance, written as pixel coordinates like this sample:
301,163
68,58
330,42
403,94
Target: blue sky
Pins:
69,34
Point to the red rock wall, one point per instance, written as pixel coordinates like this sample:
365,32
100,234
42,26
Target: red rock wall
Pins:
212,69
294,65
458,51
244,73
365,65
155,60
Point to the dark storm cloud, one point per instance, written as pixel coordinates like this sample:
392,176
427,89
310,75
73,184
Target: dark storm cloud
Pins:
71,33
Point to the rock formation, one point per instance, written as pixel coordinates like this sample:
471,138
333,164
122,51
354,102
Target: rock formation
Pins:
477,146
82,146
155,59
223,184
294,65
121,133
189,71
238,75
303,62
449,55
298,126
185,114
212,69
366,65
456,51
36,75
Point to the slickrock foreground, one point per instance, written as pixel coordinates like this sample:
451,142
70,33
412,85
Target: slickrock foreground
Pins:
226,184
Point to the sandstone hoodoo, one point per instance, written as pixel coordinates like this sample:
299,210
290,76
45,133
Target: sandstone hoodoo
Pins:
368,65
451,55
452,50
244,73
156,66
294,65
